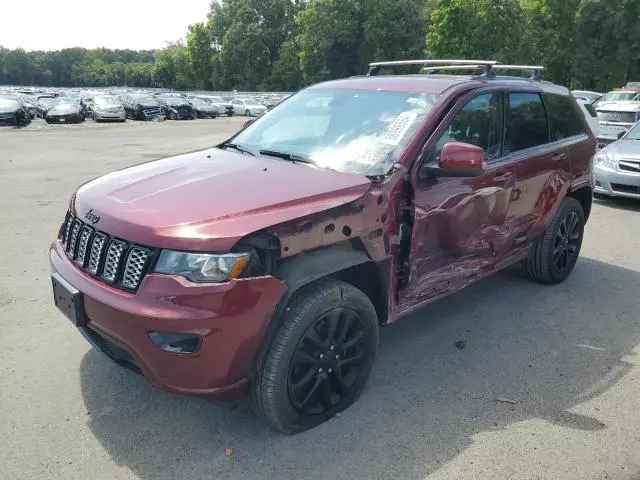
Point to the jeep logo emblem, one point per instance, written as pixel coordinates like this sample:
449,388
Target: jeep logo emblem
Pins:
92,217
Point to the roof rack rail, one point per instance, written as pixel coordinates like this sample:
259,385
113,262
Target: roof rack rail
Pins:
432,66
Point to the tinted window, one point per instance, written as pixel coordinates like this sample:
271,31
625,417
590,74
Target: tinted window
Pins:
527,126
480,123
563,118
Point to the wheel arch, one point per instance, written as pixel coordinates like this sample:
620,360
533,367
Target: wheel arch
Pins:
584,195
343,261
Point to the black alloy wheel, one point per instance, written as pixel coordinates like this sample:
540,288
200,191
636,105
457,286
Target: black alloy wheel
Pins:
327,361
566,243
317,361
555,254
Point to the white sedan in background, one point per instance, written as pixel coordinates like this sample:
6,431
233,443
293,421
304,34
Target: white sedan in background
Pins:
248,107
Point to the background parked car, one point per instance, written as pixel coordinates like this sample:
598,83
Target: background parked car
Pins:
31,106
65,111
175,107
203,109
44,104
615,119
12,112
224,107
590,114
248,107
108,107
142,106
616,168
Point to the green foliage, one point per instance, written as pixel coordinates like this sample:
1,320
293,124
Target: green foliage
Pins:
475,29
330,36
286,44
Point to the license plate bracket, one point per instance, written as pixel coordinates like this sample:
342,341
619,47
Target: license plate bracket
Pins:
68,300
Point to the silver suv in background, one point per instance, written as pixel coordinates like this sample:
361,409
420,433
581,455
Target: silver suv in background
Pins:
615,119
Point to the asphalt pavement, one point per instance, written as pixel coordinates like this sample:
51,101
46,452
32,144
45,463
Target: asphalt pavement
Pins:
505,380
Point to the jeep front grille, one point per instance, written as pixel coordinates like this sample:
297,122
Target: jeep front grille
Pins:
110,259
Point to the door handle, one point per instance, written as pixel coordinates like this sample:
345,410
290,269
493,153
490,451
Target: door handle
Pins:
559,156
502,177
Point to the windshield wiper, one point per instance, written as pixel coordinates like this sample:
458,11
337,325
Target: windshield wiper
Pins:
237,147
292,157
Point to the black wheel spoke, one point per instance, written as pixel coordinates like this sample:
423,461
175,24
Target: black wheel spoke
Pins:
306,378
312,392
341,386
327,394
303,357
332,326
353,360
353,341
312,336
346,325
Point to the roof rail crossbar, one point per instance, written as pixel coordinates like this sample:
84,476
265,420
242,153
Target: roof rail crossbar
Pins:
486,64
535,69
432,66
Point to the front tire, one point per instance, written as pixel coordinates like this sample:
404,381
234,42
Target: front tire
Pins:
555,254
319,360
247,113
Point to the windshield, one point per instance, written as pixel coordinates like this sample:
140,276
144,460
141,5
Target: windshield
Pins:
146,100
6,103
620,117
356,131
106,101
618,96
633,133
47,102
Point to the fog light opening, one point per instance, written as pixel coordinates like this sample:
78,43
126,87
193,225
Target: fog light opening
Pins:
176,342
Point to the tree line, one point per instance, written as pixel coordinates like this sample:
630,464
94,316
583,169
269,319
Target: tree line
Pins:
286,44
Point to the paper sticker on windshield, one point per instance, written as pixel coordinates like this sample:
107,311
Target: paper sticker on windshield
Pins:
396,131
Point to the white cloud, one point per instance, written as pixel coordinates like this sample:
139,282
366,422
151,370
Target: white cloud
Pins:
134,24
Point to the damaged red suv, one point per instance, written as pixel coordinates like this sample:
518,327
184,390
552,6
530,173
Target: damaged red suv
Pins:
264,266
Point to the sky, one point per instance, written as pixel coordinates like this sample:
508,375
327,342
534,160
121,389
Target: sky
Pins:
117,24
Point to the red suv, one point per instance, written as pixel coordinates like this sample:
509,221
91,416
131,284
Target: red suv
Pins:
266,264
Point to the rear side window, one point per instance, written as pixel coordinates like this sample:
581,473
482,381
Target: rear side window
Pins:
563,118
527,126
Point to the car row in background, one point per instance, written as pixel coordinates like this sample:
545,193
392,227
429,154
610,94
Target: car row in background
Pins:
118,104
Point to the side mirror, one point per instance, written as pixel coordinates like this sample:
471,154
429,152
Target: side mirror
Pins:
248,122
460,160
621,134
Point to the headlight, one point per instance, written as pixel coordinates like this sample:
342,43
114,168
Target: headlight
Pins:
604,159
202,267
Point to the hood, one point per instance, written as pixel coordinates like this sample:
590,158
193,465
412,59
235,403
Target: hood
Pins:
625,149
63,109
208,200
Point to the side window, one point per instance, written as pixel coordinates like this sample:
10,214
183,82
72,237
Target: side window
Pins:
563,118
480,123
527,125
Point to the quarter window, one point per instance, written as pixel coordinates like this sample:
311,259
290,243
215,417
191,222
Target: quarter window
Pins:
563,118
527,126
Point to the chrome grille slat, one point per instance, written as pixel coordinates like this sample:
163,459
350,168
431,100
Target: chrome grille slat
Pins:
110,259
97,248
67,231
75,230
134,268
83,244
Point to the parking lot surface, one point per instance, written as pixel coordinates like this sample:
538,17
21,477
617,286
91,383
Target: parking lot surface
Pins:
507,379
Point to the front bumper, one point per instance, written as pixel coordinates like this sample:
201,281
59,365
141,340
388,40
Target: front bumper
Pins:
616,183
230,318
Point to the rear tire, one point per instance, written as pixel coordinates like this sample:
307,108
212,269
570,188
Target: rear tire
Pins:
320,358
555,254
